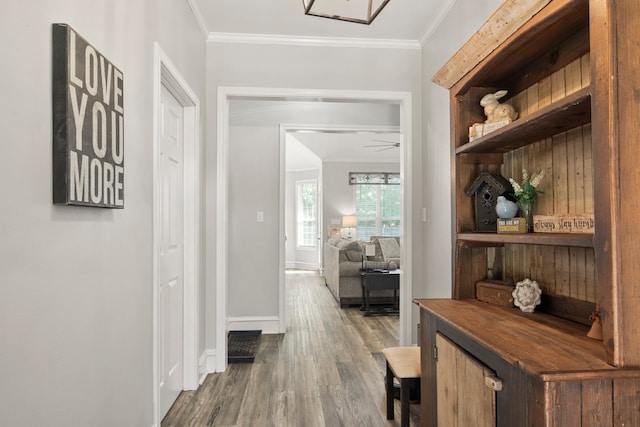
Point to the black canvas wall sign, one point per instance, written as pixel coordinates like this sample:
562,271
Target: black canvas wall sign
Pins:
88,124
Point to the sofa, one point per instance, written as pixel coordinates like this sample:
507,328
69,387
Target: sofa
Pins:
344,260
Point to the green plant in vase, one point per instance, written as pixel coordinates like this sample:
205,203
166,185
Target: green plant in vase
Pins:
526,194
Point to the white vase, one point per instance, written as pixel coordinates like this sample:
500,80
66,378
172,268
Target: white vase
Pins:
506,208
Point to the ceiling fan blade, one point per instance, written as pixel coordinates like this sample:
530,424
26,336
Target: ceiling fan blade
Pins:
388,143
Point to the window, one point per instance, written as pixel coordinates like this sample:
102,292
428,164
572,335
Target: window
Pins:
377,210
307,213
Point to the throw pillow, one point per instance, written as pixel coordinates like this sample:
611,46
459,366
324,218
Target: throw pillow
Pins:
378,256
351,249
348,245
390,248
354,255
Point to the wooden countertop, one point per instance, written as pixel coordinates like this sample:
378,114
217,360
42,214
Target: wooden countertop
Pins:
541,344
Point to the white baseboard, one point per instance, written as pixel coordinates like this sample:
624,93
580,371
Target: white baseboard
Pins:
206,364
268,324
306,266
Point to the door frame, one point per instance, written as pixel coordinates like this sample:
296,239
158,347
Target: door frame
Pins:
293,128
167,75
224,96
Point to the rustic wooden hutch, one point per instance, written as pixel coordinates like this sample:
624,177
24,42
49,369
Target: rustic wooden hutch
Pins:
572,69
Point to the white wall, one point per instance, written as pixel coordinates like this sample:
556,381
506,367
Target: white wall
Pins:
76,303
76,308
465,18
254,182
278,66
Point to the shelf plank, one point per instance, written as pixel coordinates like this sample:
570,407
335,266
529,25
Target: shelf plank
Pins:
578,240
542,344
507,20
570,112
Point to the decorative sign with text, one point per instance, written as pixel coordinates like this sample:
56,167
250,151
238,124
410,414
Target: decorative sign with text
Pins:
512,225
584,223
88,124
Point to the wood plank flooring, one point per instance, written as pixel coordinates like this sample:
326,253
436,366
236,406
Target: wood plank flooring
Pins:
327,370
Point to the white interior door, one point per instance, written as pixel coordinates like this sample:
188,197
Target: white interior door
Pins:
171,269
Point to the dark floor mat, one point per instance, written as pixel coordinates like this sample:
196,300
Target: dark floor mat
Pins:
242,346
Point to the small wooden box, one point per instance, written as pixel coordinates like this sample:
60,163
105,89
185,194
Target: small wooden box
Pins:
495,292
512,225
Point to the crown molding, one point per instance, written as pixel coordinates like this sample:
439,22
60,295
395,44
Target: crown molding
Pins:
199,18
447,6
312,41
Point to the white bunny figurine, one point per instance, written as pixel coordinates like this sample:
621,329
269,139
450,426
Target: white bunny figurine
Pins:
495,111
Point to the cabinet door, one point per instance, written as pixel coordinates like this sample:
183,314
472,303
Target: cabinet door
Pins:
463,398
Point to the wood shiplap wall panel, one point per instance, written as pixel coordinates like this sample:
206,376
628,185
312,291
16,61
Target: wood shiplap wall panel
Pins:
585,69
566,394
597,411
567,188
573,76
560,271
587,169
544,92
626,398
590,275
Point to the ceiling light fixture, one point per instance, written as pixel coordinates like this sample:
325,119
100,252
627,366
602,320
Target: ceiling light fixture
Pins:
359,11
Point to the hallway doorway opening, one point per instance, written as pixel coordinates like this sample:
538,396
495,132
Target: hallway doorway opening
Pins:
225,96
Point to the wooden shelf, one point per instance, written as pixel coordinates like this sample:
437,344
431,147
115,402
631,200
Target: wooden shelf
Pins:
556,22
548,239
541,344
549,371
570,112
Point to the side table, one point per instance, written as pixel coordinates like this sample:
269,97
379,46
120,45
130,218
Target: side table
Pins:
373,280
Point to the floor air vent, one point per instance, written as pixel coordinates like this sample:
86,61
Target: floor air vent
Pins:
242,346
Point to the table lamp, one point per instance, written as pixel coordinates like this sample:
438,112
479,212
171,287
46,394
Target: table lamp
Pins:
349,222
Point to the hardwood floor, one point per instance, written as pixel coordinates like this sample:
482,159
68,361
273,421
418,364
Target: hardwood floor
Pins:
327,370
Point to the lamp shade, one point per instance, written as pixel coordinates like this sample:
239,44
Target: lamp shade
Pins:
349,221
359,11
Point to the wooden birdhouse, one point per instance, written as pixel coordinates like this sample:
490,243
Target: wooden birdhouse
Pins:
485,190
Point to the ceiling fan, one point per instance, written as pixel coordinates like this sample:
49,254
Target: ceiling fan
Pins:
384,145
